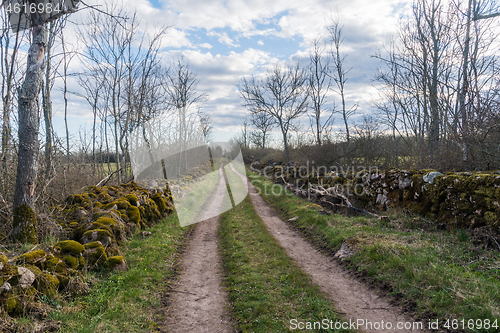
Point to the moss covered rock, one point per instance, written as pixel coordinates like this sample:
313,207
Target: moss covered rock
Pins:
132,198
95,254
47,284
31,258
116,263
160,202
12,302
3,261
134,214
69,247
101,235
54,264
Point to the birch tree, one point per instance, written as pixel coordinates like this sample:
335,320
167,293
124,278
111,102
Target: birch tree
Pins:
24,222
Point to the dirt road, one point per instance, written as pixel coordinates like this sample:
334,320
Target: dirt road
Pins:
351,297
197,302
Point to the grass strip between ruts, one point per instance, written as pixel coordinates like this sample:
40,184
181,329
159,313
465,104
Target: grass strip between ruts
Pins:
435,274
266,287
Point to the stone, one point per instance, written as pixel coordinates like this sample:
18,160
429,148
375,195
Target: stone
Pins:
429,178
345,251
5,287
27,277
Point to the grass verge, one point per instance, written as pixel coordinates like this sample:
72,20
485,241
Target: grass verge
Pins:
434,274
128,301
267,289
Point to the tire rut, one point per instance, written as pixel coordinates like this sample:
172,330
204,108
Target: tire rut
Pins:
351,297
198,301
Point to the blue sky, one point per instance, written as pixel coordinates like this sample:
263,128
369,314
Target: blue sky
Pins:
225,41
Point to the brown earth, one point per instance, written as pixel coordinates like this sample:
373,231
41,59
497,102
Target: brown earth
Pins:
351,297
198,301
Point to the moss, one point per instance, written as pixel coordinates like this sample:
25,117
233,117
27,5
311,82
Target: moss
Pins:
116,262
98,225
3,261
12,302
95,254
54,264
491,218
103,197
24,225
110,206
70,246
132,198
70,261
134,214
74,199
63,280
116,226
160,202
97,204
7,273
121,203
102,235
47,284
31,257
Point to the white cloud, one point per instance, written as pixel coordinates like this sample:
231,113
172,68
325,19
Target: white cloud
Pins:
205,46
177,38
223,38
260,42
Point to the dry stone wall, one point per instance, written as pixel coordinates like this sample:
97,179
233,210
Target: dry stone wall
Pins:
463,199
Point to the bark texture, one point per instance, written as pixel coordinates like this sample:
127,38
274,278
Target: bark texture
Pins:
24,219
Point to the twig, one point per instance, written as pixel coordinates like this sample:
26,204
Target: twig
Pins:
495,241
106,179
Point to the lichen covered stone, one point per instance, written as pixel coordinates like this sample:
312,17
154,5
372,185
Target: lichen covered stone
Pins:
69,247
134,214
116,263
32,258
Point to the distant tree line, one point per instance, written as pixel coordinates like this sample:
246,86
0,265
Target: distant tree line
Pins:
439,102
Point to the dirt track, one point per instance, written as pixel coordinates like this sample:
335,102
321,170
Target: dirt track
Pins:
352,298
197,302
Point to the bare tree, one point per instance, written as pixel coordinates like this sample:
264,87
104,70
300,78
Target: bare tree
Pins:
9,66
319,87
423,84
283,94
27,163
206,126
245,133
183,97
263,122
339,73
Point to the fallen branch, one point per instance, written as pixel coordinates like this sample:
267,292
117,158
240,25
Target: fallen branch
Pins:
495,241
106,179
331,192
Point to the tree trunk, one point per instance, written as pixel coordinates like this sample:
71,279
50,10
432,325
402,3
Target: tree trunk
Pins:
47,114
24,222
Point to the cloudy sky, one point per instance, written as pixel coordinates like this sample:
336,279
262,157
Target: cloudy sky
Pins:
225,41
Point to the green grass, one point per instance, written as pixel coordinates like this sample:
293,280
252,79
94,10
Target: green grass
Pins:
267,289
129,301
438,274
237,187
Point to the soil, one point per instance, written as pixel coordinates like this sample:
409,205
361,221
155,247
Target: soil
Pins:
353,299
198,301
